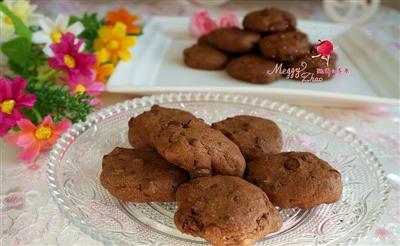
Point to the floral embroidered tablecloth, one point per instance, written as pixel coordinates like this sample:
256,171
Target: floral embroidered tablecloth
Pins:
29,216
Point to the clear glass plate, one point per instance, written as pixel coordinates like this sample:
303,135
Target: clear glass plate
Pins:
75,164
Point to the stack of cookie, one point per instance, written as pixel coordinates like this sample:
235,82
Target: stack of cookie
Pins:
221,198
262,52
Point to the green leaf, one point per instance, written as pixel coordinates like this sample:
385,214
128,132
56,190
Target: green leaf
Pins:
24,58
17,69
57,101
18,51
91,24
20,28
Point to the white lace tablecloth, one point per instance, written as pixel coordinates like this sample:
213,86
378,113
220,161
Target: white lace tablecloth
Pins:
28,216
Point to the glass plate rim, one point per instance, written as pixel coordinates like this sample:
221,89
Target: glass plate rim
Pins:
79,128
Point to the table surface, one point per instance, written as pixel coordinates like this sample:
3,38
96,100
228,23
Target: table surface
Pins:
29,216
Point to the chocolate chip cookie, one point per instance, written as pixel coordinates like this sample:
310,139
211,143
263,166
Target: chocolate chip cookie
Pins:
187,142
204,57
269,20
144,126
312,66
285,46
253,68
255,136
296,179
225,210
203,40
141,176
233,40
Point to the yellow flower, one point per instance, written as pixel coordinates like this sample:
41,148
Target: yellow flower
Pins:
21,8
103,70
114,43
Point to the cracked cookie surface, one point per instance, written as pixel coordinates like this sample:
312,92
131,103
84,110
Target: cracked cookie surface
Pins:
285,46
255,136
187,142
295,179
225,210
140,176
144,127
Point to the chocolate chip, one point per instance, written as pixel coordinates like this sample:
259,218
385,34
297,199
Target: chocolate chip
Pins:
245,126
195,211
191,141
190,224
226,217
303,157
236,198
186,124
292,164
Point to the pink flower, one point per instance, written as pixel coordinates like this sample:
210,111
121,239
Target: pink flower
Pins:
33,139
12,98
86,85
229,19
68,58
201,23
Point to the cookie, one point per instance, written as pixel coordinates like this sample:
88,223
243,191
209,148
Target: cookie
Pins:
144,126
312,66
187,142
269,20
225,210
233,40
296,179
255,136
200,149
285,46
254,69
204,57
140,176
203,40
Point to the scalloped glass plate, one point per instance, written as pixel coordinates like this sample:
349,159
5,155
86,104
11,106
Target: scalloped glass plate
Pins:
75,164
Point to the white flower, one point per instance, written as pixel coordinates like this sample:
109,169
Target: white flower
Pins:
52,31
21,8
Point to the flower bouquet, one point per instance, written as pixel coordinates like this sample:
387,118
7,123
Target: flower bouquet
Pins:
55,69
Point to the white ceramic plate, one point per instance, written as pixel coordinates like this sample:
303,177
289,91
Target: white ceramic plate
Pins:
158,67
